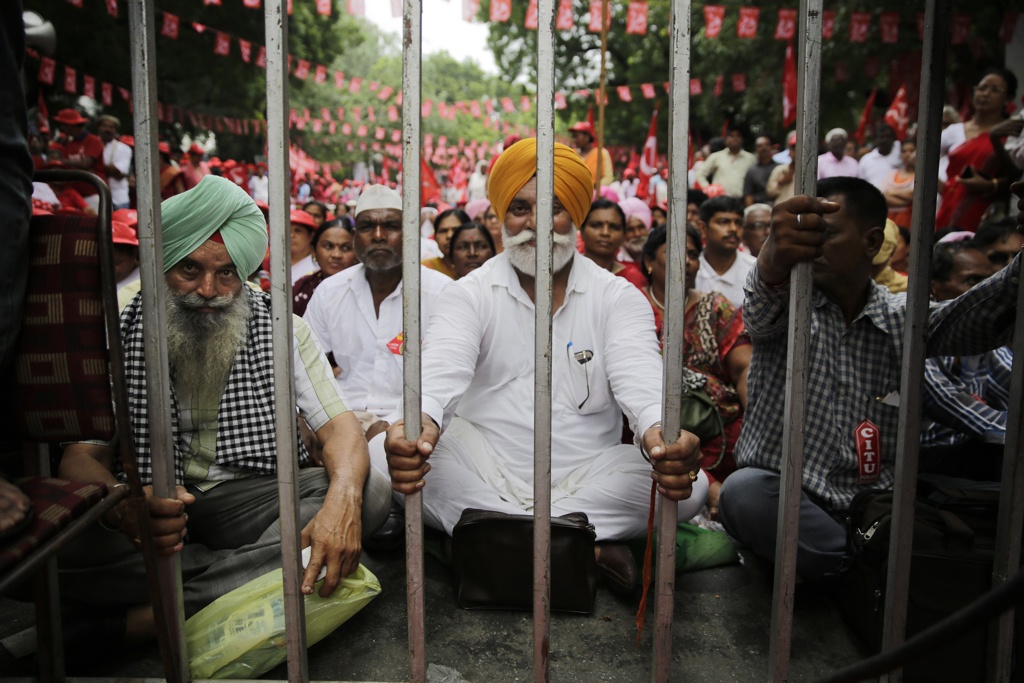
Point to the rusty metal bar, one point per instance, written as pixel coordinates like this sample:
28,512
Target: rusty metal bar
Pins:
412,51
797,367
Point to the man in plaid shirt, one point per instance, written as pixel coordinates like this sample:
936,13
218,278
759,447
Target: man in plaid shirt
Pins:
856,353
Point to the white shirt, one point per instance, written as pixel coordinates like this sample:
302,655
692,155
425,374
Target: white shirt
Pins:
830,167
118,155
367,348
303,268
478,363
730,283
259,188
876,168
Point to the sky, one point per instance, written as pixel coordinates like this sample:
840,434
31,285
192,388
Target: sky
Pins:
443,30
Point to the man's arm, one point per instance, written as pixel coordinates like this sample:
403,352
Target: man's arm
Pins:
952,405
707,169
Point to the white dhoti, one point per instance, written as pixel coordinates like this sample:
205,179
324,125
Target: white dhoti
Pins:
613,489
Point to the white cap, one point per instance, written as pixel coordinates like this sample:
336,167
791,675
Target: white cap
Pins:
834,133
378,197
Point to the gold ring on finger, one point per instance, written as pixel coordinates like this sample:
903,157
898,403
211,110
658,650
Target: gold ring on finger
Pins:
693,475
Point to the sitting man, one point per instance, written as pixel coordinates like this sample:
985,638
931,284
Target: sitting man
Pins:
478,384
219,349
855,358
965,397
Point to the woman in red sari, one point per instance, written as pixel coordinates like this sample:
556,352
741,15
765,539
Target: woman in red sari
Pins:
976,172
716,345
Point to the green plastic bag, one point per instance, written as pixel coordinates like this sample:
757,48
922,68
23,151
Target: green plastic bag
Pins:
696,548
242,634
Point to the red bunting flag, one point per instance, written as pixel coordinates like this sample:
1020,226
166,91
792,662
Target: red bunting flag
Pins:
341,113
357,8
370,114
531,16
961,27
332,127
474,108
624,93
525,103
112,8
713,16
125,95
739,82
169,27
786,28
379,134
898,115
70,80
746,27
789,87
597,8
695,86
430,189
339,80
251,4
566,19
107,94
302,69
321,74
392,113
355,84
1008,26
470,8
325,113
323,7
289,8
647,90
860,22
245,49
560,102
636,18
261,57
385,93
396,136
211,2
426,108
346,129
889,25
223,45
362,130
89,86
506,104
318,126
828,24
648,160
501,10
47,69
865,117
719,86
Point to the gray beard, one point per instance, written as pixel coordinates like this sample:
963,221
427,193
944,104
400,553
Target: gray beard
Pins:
201,346
523,257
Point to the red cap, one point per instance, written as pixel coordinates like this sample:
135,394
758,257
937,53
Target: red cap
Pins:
629,173
127,140
262,165
70,117
300,217
215,162
123,234
583,127
164,148
229,164
196,149
130,217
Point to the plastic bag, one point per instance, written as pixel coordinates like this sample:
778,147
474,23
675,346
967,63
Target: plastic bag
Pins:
242,634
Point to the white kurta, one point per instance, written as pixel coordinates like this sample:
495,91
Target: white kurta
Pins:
730,283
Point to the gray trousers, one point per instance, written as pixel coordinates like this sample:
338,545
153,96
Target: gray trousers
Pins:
234,536
749,510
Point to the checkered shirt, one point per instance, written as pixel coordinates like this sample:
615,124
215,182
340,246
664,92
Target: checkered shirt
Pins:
965,397
245,430
851,369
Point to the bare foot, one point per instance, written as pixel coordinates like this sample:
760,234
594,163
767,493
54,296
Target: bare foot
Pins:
713,491
14,506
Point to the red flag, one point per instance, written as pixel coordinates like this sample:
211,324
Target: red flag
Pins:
169,28
695,86
385,171
560,102
897,116
355,84
501,10
323,7
261,57
739,82
636,18
789,87
302,70
525,103
865,117
470,8
321,74
457,178
223,45
624,94
746,27
357,8
47,69
430,189
860,22
531,16
597,8
828,23
107,94
566,19
889,24
43,114
786,28
112,8
339,80
70,80
507,105
648,159
89,86
385,93
648,90
719,86
245,48
713,15
961,27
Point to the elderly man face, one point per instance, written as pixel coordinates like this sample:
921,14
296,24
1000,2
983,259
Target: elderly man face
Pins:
636,236
520,232
378,239
755,229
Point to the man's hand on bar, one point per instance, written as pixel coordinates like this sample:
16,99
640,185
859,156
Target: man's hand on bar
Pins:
673,463
796,235
407,461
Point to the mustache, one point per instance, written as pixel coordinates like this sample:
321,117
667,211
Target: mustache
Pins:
194,301
529,235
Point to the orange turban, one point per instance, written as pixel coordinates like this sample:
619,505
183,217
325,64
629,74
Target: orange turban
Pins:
574,185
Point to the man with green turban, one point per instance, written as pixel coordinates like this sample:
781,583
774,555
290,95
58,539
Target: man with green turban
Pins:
219,349
478,383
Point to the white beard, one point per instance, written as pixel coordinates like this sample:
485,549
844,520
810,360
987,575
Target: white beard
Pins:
201,346
524,257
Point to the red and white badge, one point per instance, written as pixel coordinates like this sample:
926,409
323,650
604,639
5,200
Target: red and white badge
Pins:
869,452
396,344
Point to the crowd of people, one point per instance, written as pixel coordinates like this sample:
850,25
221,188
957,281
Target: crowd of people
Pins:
745,232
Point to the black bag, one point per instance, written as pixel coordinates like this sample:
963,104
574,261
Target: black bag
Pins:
492,553
951,566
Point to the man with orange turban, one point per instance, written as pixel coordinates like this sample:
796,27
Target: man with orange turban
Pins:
478,383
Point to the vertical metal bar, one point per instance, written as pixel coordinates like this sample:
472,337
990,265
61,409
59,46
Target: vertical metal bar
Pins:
1011,506
797,367
933,79
675,306
276,28
602,90
169,608
412,54
49,635
542,340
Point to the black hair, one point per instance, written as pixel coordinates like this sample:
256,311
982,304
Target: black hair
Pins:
341,222
864,202
471,225
905,234
944,258
657,237
458,213
764,134
1008,77
603,203
696,197
994,232
313,202
720,204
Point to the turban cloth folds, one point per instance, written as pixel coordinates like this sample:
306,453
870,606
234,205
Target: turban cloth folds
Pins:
574,185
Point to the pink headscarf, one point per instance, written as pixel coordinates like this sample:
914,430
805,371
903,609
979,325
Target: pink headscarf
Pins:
636,207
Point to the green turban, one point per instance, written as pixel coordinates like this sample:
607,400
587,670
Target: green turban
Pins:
215,204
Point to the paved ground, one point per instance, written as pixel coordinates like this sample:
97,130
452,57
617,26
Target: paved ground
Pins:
721,633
